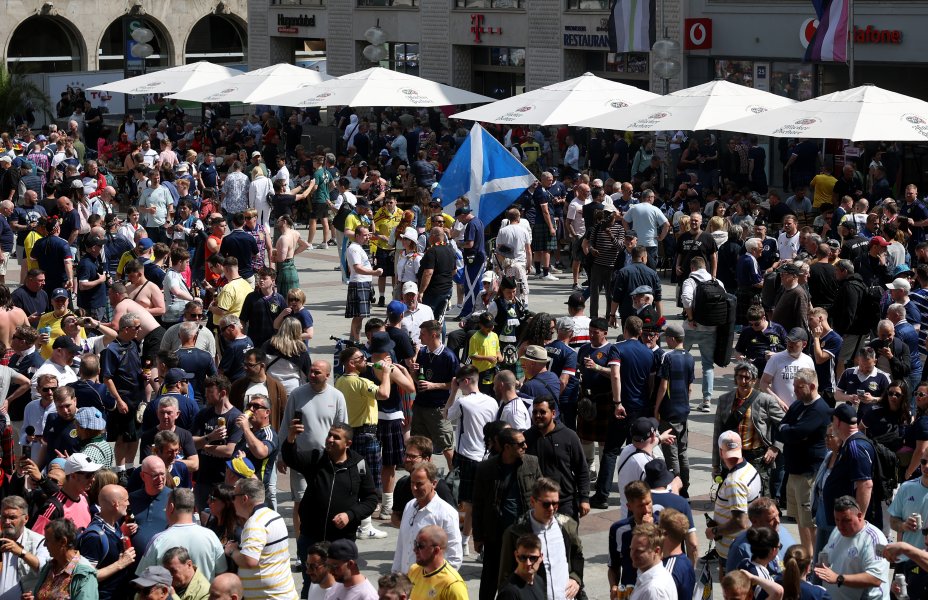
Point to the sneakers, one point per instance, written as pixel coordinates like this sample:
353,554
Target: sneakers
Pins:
296,566
549,277
705,407
319,246
597,501
384,515
331,243
371,534
382,302
576,287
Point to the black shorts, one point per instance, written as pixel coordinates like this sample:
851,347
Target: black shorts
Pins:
467,469
318,211
384,259
151,344
123,427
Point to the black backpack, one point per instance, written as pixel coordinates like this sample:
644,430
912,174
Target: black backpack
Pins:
710,302
885,469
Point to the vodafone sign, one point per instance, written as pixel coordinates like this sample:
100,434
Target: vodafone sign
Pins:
862,35
698,34
806,31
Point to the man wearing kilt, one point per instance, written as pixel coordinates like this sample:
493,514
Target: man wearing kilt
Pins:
544,241
389,416
361,402
596,385
358,306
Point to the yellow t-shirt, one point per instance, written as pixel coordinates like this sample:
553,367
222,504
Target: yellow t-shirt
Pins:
50,320
31,238
360,399
824,185
232,297
385,224
484,346
444,584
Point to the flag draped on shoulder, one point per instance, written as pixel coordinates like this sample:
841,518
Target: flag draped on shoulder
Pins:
486,173
829,43
632,25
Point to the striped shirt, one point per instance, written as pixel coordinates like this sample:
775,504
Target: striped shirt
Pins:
739,488
264,538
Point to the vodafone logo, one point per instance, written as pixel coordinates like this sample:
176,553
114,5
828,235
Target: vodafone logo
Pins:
698,34
807,31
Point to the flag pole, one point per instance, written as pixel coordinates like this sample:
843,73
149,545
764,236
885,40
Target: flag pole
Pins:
850,64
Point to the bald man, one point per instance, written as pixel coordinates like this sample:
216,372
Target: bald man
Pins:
431,543
226,587
103,204
150,504
101,543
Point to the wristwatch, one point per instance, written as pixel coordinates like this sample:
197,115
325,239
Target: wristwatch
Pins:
840,580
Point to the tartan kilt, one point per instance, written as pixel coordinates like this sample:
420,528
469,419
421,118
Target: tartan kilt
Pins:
359,300
542,240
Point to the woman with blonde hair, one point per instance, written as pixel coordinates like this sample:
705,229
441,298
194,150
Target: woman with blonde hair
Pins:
288,358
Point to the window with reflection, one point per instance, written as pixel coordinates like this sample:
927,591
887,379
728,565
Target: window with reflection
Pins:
794,80
402,57
587,4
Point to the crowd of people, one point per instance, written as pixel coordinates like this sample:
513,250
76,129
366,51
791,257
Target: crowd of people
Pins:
158,378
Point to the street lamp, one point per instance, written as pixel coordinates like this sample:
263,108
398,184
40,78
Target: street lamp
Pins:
376,37
667,65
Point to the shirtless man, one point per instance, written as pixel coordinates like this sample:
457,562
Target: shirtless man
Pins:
11,316
146,293
151,332
289,244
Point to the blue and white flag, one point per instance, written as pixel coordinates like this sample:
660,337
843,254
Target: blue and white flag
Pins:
488,174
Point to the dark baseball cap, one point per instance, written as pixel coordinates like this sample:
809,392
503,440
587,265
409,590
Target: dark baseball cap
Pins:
642,428
845,413
576,300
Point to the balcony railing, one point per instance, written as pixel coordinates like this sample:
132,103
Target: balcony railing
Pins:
519,4
297,2
384,3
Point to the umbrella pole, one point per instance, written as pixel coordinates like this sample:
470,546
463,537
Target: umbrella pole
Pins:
850,54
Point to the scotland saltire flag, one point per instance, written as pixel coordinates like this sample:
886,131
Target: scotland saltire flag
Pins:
829,43
488,174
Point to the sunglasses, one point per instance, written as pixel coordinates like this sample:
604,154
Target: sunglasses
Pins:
257,406
521,444
49,389
195,317
549,504
529,558
895,394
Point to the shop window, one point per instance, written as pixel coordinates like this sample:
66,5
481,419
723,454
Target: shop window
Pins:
633,63
791,79
499,57
402,57
489,3
588,4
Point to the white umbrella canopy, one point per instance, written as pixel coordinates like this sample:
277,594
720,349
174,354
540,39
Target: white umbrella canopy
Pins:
253,87
696,108
172,80
865,113
560,103
377,87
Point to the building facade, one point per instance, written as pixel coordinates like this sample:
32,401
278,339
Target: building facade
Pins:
493,47
59,36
